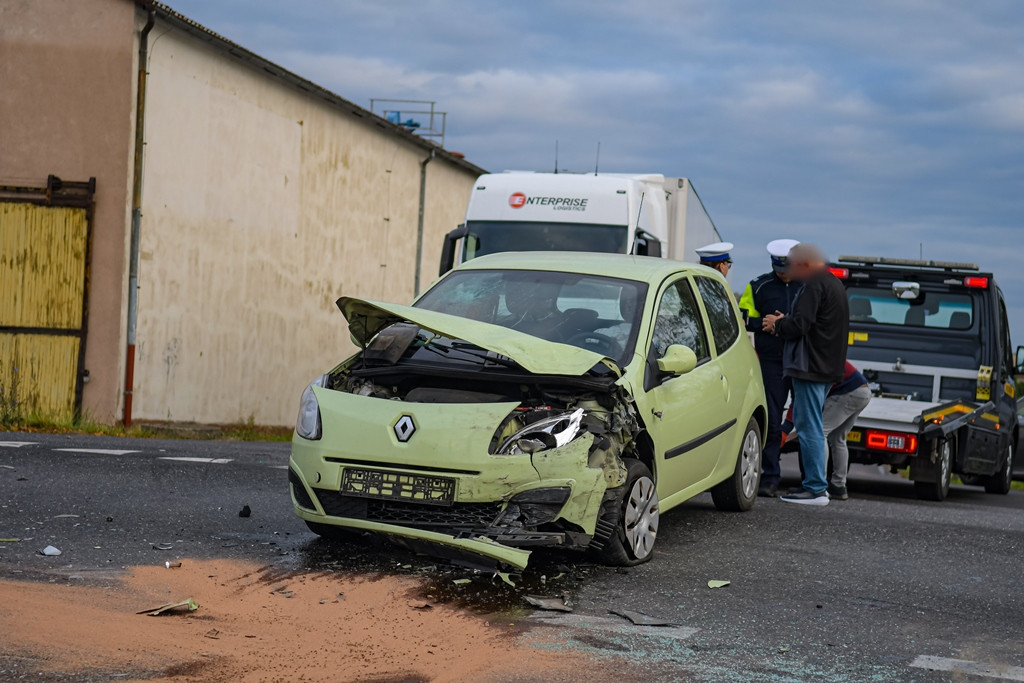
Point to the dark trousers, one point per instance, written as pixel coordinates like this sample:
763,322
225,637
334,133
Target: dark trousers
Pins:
776,391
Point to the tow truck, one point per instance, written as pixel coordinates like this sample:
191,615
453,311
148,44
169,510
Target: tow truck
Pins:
932,339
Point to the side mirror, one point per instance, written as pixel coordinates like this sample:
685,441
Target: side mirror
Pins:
451,241
1020,361
678,360
646,244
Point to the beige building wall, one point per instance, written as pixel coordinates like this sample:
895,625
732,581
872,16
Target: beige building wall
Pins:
261,205
66,108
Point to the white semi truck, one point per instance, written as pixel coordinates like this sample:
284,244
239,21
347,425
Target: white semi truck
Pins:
646,214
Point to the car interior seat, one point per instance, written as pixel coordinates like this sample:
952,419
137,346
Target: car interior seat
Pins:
915,316
860,310
961,320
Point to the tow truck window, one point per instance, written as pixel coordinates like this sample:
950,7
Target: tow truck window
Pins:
941,310
492,237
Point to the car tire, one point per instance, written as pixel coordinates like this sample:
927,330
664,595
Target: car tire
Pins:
331,532
1000,482
738,493
634,514
937,490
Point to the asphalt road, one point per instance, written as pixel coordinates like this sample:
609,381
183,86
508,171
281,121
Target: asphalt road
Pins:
880,587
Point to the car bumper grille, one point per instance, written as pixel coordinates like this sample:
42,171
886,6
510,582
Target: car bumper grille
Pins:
458,515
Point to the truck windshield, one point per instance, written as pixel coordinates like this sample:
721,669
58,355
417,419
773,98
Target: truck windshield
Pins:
942,310
588,311
492,237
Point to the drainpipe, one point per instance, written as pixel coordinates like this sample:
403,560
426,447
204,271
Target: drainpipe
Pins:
133,254
419,224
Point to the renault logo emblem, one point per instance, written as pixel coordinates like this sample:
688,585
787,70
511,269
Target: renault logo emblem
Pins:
405,428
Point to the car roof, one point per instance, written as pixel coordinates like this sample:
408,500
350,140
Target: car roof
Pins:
624,266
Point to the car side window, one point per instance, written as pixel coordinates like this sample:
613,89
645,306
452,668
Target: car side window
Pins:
721,316
679,322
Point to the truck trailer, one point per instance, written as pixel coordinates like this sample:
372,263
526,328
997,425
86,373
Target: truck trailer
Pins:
644,214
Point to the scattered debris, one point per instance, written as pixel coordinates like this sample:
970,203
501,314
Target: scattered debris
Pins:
245,511
324,601
460,582
285,593
551,604
10,540
66,516
641,619
163,546
110,519
341,596
50,551
213,633
186,605
783,649
420,604
406,566
506,578
172,565
715,583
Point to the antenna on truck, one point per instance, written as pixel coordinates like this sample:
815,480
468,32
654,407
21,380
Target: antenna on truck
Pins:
556,157
597,161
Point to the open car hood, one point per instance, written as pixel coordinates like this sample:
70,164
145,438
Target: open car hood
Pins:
541,357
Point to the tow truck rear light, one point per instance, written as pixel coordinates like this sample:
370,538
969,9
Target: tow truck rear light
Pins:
841,273
976,282
894,442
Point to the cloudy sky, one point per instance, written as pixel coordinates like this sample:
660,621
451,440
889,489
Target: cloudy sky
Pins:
869,127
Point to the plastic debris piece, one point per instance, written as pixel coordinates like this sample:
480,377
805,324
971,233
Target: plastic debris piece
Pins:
783,649
65,516
558,576
172,565
715,583
551,604
641,619
420,604
50,551
163,546
460,582
406,566
185,606
245,511
213,633
10,540
507,579
324,601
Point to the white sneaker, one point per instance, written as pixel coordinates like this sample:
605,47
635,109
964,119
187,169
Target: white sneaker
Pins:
805,497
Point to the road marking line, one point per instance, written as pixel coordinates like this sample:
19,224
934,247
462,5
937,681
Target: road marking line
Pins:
616,624
212,461
1006,673
17,444
95,451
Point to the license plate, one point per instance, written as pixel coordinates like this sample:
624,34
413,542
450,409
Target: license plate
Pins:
413,488
853,437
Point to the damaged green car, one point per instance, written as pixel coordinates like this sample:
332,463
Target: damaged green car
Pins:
534,399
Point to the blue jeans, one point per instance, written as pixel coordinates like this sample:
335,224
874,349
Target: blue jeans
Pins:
808,405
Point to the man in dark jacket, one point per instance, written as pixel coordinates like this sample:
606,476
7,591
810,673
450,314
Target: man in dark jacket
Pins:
816,335
771,292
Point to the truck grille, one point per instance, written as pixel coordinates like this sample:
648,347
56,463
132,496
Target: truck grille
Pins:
464,515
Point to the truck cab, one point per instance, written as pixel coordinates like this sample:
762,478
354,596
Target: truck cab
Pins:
933,340
644,214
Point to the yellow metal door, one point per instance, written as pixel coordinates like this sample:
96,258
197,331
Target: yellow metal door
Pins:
43,278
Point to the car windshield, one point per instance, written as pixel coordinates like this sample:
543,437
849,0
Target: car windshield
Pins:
942,310
492,237
591,312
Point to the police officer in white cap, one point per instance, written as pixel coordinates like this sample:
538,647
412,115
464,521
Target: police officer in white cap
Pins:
765,295
717,256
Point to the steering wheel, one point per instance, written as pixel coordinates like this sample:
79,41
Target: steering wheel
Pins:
595,341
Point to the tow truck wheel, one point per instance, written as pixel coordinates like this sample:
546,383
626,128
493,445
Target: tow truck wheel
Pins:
937,490
635,518
1000,482
739,492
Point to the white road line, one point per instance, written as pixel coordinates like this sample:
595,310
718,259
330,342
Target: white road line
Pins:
95,451
614,624
212,461
17,444
964,666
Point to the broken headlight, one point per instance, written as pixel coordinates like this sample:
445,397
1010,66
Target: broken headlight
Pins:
307,425
551,432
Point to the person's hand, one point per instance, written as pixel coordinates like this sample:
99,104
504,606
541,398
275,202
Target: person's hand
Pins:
768,325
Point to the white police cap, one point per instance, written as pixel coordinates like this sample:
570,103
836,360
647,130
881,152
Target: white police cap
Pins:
780,248
719,251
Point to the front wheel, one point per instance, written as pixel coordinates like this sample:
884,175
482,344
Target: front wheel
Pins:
937,490
635,516
739,492
1000,482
